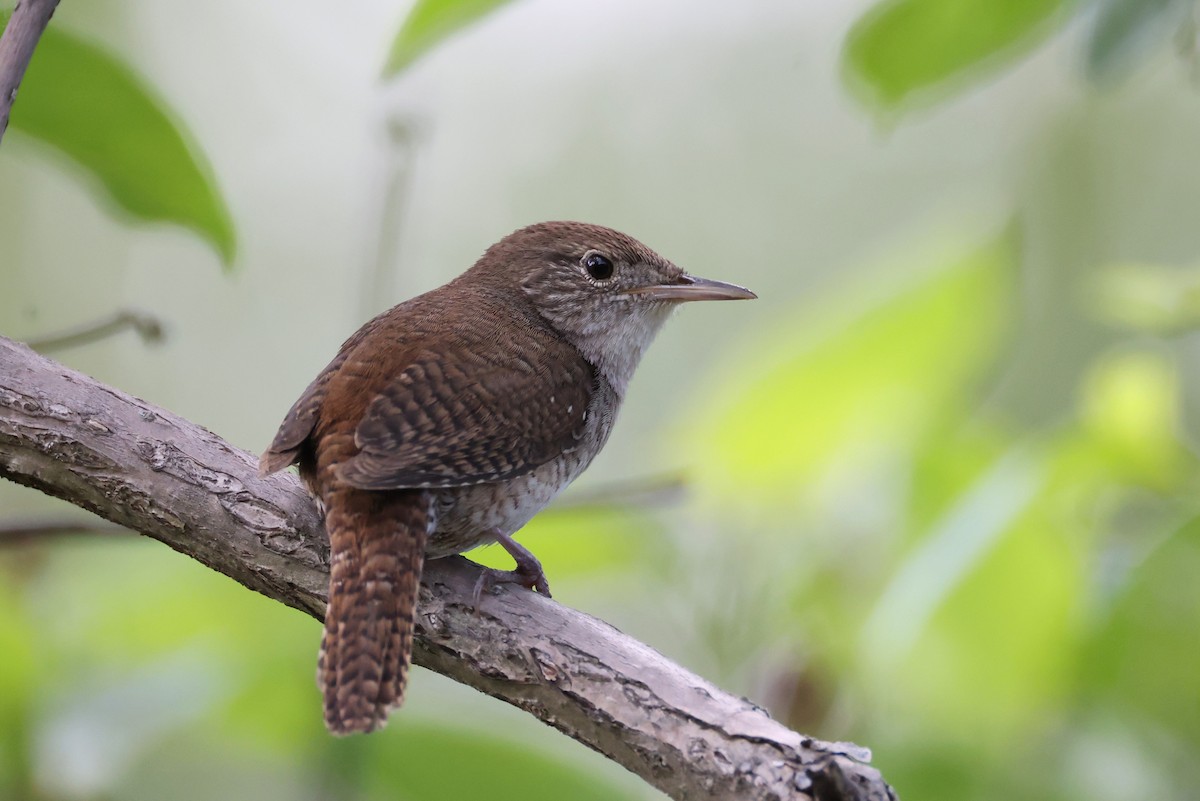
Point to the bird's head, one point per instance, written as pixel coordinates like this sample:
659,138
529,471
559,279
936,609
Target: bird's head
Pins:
607,293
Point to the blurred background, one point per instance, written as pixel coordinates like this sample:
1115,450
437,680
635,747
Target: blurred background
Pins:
934,492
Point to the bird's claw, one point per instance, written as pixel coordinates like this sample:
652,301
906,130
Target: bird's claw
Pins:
491,578
528,574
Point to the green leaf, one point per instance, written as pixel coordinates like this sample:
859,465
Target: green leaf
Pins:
19,684
1144,655
95,110
1154,298
952,456
1130,412
975,631
904,50
429,22
414,754
830,389
1125,31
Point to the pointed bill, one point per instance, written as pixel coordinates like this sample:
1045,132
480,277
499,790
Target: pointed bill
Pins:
690,287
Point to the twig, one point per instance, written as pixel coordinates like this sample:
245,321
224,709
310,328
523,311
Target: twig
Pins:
144,468
21,35
398,175
19,532
147,327
654,491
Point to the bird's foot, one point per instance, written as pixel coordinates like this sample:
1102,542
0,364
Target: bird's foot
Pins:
529,573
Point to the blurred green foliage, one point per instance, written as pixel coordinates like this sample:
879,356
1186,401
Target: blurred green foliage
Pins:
877,545
908,53
92,108
903,47
1155,298
1125,31
1021,587
428,23
850,386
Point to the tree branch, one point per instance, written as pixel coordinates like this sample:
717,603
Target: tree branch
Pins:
147,326
146,469
21,35
19,532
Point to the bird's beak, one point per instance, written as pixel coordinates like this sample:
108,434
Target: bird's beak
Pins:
689,287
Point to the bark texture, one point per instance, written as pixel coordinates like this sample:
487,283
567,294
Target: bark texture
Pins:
29,18
144,468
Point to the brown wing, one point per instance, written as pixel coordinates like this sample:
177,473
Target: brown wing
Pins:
454,418
301,419
295,428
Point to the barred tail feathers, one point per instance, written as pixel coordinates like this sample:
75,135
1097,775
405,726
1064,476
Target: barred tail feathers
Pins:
377,544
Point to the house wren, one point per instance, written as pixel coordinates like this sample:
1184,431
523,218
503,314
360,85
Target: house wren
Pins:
452,419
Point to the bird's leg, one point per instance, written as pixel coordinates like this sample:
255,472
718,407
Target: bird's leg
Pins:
528,574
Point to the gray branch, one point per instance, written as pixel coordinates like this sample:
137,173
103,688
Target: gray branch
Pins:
21,35
146,469
147,326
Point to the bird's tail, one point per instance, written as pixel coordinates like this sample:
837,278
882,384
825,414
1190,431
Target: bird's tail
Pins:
377,546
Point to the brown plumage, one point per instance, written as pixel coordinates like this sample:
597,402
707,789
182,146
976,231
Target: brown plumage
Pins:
453,418
378,546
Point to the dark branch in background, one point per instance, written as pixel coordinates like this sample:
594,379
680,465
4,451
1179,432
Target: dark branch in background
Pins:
19,532
21,35
649,492
146,469
398,167
146,325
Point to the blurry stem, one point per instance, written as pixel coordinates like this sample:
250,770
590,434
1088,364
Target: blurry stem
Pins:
144,468
1185,42
16,753
25,26
147,326
20,532
653,491
378,292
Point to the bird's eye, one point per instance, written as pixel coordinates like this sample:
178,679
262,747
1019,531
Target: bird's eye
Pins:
598,266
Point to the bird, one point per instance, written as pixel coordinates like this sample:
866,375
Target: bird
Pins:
450,420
